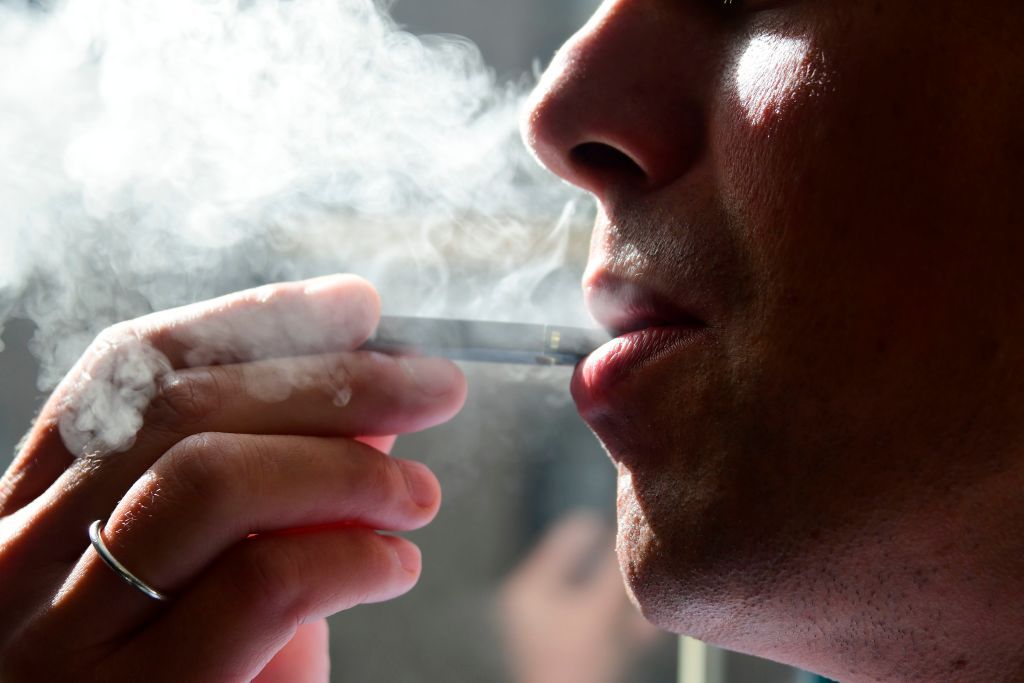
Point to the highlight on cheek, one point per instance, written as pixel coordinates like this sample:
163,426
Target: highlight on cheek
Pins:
771,72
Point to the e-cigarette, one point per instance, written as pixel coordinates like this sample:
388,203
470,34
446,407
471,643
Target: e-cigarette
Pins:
484,341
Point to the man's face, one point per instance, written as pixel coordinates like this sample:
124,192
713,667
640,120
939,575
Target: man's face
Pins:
809,208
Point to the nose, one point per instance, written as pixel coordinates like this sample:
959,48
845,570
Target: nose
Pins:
620,106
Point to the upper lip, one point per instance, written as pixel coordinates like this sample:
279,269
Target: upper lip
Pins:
622,305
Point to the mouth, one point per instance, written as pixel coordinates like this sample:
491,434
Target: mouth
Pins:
648,328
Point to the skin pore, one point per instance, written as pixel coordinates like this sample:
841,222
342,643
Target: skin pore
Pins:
832,476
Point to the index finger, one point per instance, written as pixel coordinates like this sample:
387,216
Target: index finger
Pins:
330,313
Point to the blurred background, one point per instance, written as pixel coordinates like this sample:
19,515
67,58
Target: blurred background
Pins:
519,582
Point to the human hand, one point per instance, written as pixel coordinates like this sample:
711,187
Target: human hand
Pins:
564,613
251,494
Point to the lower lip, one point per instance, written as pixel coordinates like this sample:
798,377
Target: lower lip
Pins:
600,375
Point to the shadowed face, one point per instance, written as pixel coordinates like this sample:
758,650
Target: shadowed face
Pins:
810,238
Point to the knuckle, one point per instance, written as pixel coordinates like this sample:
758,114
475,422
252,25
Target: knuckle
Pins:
339,373
374,565
400,393
114,334
112,338
218,469
200,466
105,343
379,564
183,400
383,474
271,571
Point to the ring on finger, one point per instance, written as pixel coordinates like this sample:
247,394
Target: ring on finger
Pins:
96,538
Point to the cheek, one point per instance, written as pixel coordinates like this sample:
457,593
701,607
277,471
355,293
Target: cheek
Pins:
773,73
872,300
765,124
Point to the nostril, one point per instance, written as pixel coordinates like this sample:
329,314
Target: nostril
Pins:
604,161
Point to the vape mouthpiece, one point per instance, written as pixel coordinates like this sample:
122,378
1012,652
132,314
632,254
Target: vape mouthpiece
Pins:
489,342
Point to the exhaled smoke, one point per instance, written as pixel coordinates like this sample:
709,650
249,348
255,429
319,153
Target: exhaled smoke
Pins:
157,153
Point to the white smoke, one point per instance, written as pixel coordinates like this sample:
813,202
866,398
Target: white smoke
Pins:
103,412
156,153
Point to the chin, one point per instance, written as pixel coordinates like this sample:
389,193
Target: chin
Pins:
653,555
641,553
690,520
685,561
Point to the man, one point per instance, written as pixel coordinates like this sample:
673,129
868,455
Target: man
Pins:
811,226
809,242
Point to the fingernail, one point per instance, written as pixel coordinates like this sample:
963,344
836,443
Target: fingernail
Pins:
420,482
408,555
433,376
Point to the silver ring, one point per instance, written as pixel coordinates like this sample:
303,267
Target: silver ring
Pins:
101,549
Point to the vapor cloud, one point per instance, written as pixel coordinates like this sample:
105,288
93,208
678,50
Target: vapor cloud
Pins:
157,153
